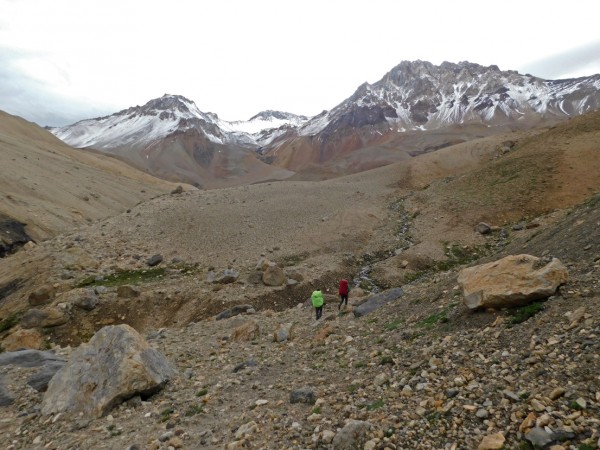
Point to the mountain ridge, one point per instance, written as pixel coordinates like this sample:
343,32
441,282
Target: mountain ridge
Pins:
413,97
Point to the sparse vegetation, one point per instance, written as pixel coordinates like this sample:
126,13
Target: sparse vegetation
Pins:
394,325
376,405
353,388
165,414
10,321
587,447
439,317
576,406
126,277
193,410
525,312
202,392
458,255
386,360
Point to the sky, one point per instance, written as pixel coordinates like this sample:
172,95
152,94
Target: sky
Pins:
62,61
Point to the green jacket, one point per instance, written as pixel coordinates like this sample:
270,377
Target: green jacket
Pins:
317,299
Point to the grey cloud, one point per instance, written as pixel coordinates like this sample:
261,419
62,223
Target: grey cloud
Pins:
26,97
579,59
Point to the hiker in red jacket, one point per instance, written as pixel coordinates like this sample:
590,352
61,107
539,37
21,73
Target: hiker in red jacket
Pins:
343,291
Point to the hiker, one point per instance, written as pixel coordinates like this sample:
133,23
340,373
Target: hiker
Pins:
317,302
343,291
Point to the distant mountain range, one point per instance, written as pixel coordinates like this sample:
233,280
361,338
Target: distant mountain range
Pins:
414,108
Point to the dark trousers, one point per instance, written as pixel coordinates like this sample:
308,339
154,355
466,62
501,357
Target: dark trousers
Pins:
343,298
319,310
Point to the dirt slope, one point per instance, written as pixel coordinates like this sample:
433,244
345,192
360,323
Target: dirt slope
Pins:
53,188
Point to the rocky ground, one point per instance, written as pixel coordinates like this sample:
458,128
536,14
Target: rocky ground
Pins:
421,372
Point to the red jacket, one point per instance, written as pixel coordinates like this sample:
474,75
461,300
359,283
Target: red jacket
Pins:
343,287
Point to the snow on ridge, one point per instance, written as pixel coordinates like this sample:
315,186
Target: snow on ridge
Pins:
262,122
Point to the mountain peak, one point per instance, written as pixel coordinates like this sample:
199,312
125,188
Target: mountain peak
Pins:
169,102
270,114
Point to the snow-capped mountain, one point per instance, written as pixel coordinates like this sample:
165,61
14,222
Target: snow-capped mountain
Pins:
140,126
171,138
369,128
264,120
419,95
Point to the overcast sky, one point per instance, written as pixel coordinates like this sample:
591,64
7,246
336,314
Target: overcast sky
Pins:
67,60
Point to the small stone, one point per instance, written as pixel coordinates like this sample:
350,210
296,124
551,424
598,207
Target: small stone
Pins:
482,413
528,422
328,436
556,393
246,429
492,442
303,395
166,436
539,437
483,228
261,402
176,442
537,405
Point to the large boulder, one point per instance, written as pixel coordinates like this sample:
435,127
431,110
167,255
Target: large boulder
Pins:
515,280
115,365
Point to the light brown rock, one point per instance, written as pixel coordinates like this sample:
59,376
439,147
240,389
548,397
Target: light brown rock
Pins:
42,295
528,423
44,318
492,442
273,276
127,291
20,339
322,333
248,331
512,281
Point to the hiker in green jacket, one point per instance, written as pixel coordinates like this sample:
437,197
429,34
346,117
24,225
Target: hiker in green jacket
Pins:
317,302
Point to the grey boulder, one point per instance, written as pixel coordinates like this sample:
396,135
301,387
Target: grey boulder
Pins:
115,365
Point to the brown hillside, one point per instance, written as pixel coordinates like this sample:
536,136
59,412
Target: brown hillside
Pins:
53,188
543,172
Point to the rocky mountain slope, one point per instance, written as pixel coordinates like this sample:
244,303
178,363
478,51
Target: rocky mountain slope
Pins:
421,372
